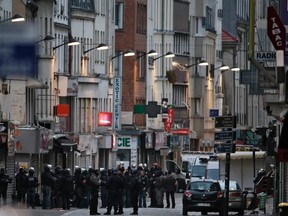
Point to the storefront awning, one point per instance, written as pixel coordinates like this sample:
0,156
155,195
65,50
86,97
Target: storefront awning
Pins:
62,143
35,84
243,155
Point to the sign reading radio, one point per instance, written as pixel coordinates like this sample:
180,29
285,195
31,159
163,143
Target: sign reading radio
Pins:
117,89
275,29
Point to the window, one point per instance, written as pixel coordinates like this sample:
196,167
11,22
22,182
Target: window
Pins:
209,19
179,94
141,67
119,15
141,18
181,43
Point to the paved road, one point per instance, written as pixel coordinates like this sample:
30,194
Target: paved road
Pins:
8,211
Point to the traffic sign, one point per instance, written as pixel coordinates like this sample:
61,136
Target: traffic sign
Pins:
223,135
225,122
224,148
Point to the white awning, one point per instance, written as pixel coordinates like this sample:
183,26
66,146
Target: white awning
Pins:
242,155
35,84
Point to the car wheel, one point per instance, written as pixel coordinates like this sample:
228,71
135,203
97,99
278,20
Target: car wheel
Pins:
203,213
184,211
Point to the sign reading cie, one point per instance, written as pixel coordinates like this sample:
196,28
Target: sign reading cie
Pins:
124,142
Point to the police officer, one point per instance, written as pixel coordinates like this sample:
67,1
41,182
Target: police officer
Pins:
47,182
4,181
31,187
114,187
66,188
21,186
135,187
94,184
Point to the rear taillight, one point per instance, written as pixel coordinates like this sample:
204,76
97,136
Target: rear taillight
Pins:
220,194
235,194
187,194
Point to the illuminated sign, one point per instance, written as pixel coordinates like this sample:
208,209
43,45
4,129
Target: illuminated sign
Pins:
105,119
62,110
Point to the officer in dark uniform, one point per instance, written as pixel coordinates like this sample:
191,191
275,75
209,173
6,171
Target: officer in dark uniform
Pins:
94,184
135,187
114,187
31,187
4,181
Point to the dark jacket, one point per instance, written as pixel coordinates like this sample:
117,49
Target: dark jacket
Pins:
66,185
47,179
21,182
115,183
135,184
169,183
32,181
4,180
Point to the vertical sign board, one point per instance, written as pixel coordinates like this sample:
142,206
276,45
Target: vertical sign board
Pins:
117,89
275,29
284,19
17,50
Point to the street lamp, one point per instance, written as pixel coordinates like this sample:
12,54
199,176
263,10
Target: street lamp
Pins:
127,53
71,42
201,63
167,55
150,53
101,46
45,39
15,18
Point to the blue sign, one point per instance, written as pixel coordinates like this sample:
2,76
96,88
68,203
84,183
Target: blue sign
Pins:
224,148
223,135
17,51
213,112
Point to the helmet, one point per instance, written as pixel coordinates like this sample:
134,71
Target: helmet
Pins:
31,171
47,168
58,169
66,172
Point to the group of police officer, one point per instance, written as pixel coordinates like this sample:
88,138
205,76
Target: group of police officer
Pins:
119,188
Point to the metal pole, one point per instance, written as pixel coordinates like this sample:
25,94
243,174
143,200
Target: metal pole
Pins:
227,179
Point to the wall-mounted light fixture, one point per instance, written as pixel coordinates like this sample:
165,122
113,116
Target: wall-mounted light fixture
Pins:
101,46
71,42
45,39
150,53
201,63
167,55
15,18
128,53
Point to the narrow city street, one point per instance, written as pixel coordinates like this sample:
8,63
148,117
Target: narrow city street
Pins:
8,211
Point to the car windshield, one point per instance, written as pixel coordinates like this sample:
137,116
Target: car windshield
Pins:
198,171
186,166
203,186
213,174
232,186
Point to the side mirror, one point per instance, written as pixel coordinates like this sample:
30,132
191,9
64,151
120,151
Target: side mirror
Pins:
187,176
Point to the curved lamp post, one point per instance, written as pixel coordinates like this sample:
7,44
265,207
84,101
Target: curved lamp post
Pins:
15,18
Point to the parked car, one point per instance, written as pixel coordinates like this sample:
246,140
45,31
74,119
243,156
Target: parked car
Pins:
203,195
236,197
